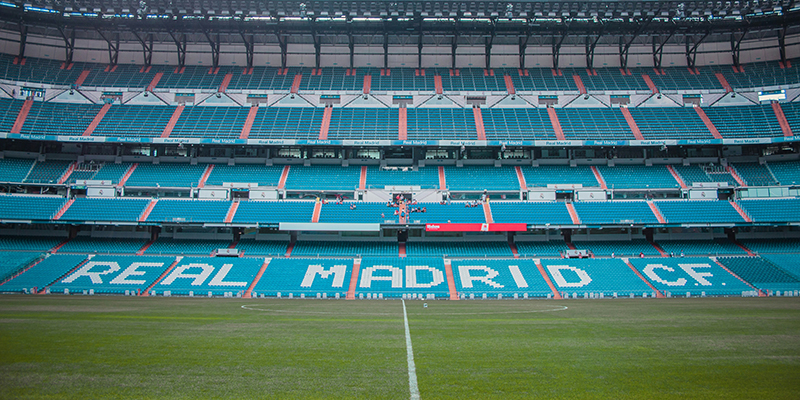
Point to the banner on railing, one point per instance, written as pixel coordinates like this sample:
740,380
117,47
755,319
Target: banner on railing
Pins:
475,227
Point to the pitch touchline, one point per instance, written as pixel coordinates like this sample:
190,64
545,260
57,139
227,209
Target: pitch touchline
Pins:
252,308
412,370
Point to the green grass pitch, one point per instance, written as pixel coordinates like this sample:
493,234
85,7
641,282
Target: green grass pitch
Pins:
191,348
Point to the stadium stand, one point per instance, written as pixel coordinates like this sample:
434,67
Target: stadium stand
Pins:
262,247
701,247
29,243
15,207
166,175
772,210
458,249
787,262
507,278
534,213
262,175
481,178
14,170
618,248
786,172
760,273
185,246
584,277
614,212
544,175
692,276
387,277
113,275
102,245
43,273
698,211
341,248
551,248
296,277
12,262
273,212
192,210
619,177
99,209
323,177
210,276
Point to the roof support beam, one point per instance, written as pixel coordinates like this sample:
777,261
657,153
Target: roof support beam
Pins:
658,48
147,47
180,44
735,43
385,49
453,49
249,45
691,50
591,44
557,41
523,47
23,39
419,45
113,47
782,43
282,42
69,43
625,46
317,46
351,44
489,44
213,41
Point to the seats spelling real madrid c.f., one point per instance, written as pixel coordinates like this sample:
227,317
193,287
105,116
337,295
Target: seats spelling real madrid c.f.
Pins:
214,275
499,277
695,276
579,277
396,277
113,274
293,277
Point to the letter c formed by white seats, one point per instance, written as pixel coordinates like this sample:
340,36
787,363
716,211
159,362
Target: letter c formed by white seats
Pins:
555,271
122,279
197,279
338,272
411,276
94,276
649,270
396,276
698,276
219,278
467,278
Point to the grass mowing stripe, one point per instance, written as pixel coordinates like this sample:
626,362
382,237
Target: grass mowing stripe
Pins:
412,370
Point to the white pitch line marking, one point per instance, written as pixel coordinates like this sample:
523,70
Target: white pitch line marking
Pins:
412,370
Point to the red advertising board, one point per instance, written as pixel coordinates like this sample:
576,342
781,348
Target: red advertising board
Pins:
475,227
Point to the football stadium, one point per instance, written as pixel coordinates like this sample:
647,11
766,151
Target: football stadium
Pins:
399,199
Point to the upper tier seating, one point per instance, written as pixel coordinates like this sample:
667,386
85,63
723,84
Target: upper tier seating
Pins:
112,172
107,210
552,248
792,113
166,175
637,176
535,213
701,247
704,173
744,121
273,212
205,211
480,178
287,123
615,212
112,274
29,207
363,123
441,124
43,273
607,276
307,277
14,170
698,211
669,123
755,174
263,175
517,124
36,70
363,213
323,177
134,120
47,172
46,118
592,123
424,177
544,175
453,213
772,210
696,276
504,277
458,249
786,172
760,273
208,121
